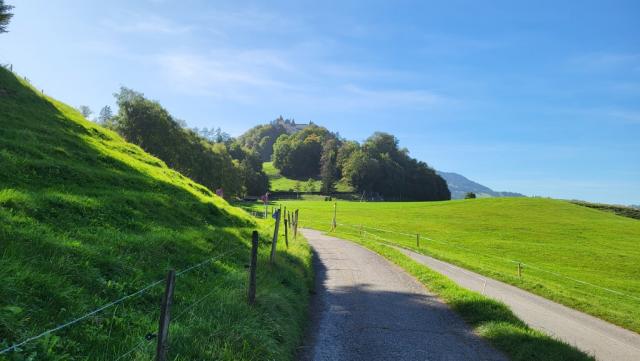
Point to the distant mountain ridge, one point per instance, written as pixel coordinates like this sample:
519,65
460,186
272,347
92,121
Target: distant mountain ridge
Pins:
460,185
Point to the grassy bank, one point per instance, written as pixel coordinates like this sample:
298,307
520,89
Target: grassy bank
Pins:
584,258
86,218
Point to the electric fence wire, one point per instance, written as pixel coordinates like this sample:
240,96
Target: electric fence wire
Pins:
619,293
500,258
138,346
110,304
194,304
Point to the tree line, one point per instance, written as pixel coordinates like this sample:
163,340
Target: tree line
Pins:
378,167
209,157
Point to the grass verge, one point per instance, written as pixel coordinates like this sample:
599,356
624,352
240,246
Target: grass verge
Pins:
490,319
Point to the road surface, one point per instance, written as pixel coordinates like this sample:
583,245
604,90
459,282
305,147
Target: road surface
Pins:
366,308
592,335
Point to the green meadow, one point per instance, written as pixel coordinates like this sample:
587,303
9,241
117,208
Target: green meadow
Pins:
86,218
584,258
280,183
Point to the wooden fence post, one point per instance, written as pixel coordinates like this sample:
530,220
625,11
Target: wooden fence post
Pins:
165,317
295,224
286,232
275,237
334,223
252,268
418,240
519,270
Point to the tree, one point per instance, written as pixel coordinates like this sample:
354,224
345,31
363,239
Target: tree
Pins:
5,16
310,185
470,195
380,167
328,166
262,138
146,123
346,149
85,111
254,179
298,155
105,115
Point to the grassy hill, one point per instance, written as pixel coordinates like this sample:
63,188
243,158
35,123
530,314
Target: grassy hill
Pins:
86,218
585,258
280,183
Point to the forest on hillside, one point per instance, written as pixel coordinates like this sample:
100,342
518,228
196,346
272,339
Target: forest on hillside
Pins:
378,167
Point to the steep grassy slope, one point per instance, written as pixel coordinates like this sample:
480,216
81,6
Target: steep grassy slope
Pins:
584,258
279,183
86,218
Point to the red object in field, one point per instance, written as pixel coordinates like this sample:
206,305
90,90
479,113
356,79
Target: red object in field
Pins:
220,192
265,198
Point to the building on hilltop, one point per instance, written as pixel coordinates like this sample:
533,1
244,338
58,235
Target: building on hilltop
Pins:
290,125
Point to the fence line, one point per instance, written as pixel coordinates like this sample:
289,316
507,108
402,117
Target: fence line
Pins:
147,340
619,293
81,318
111,304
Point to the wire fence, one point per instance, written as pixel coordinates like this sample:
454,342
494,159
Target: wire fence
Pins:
144,340
363,231
148,337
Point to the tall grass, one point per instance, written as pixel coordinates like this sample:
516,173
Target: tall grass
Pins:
86,218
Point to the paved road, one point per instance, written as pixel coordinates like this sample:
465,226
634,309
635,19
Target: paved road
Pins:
605,341
366,308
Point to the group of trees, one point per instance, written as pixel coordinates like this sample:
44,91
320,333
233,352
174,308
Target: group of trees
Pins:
226,164
262,138
376,167
105,116
298,155
5,16
379,166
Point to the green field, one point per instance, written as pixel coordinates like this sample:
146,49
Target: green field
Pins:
86,219
280,183
584,258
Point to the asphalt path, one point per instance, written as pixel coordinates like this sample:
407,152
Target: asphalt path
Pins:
592,335
366,308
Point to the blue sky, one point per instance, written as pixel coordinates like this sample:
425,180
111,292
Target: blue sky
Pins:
540,98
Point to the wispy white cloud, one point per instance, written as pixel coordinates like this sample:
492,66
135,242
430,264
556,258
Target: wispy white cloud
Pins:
306,71
229,74
624,115
394,97
148,24
282,76
606,61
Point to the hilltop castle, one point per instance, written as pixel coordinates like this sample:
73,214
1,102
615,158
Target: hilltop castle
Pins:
290,125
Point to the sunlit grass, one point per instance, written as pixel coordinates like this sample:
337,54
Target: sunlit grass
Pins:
560,244
86,218
279,183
